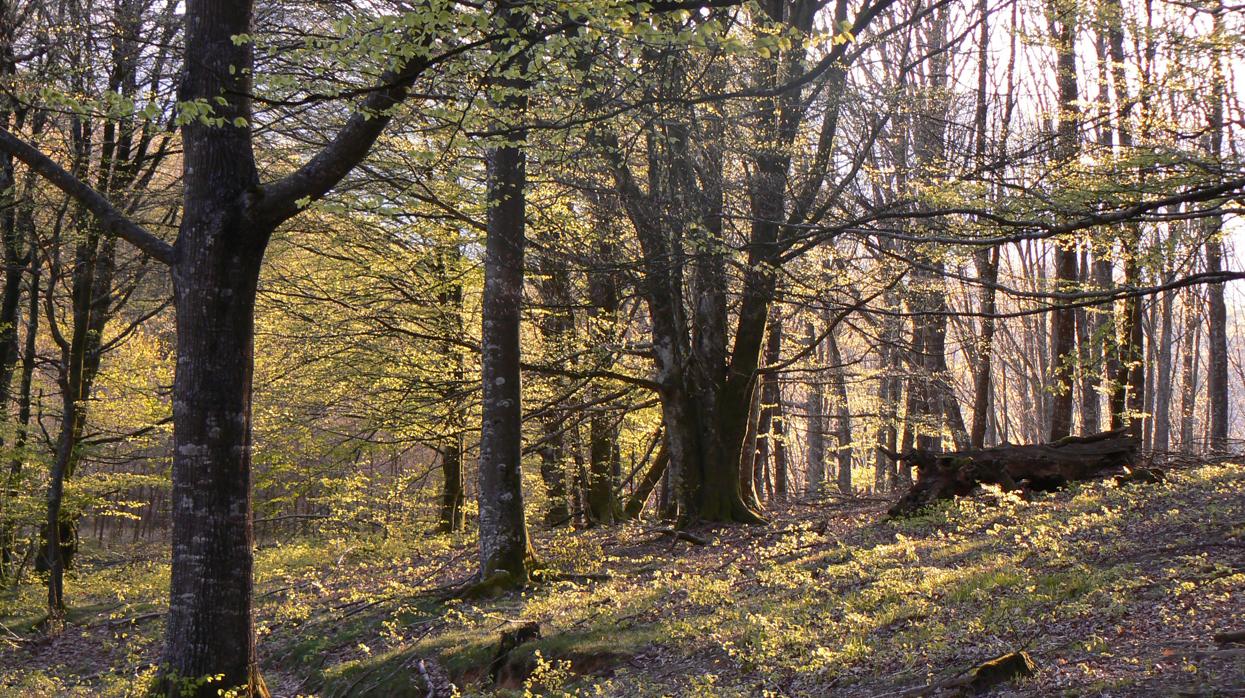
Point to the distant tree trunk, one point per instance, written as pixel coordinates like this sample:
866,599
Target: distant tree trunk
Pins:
91,299
1063,320
1217,315
760,445
1189,363
23,404
770,422
452,496
915,402
603,504
843,419
452,444
555,324
1128,403
815,416
1147,435
987,259
988,272
1128,396
553,472
748,480
890,388
778,430
1163,377
1217,351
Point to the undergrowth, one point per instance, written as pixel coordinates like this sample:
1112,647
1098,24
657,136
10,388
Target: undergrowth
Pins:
1098,583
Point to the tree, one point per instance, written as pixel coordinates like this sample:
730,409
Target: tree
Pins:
1062,17
505,553
228,217
1217,320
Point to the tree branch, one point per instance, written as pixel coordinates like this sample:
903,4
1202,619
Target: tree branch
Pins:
284,198
110,219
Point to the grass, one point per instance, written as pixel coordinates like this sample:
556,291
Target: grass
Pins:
1108,588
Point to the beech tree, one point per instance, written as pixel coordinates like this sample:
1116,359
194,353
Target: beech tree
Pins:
505,552
228,217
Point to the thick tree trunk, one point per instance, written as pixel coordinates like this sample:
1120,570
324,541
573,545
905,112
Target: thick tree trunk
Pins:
210,624
505,550
209,636
504,546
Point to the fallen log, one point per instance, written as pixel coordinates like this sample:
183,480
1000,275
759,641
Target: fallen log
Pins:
1041,467
1232,637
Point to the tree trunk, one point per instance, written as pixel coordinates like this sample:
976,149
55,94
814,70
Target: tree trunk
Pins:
210,624
1063,320
1163,377
987,259
602,505
446,268
1189,363
209,636
988,272
890,388
748,480
452,496
843,419
778,431
505,551
816,420
504,546
653,475
1217,315
23,405
1128,402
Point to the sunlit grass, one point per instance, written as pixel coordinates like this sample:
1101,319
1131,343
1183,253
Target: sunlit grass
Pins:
882,604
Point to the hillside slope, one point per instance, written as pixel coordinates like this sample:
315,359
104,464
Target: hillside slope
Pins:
1113,591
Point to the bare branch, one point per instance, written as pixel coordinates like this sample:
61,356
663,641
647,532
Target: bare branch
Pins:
110,219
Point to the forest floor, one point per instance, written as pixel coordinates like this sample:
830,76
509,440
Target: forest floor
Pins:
1113,591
